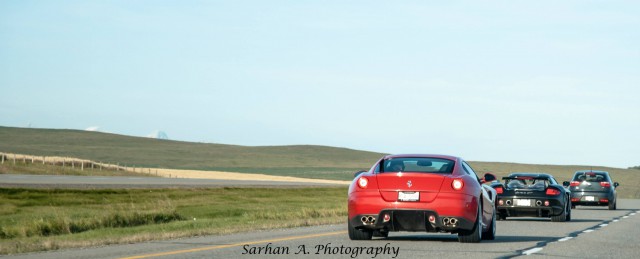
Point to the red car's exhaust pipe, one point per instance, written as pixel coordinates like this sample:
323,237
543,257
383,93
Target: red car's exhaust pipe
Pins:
450,222
368,220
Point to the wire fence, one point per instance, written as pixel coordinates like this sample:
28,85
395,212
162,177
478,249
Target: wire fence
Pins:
68,162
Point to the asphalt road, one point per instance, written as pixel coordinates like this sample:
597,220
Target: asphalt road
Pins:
594,232
96,182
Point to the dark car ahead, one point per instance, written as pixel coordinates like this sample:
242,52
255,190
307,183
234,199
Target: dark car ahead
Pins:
532,195
593,188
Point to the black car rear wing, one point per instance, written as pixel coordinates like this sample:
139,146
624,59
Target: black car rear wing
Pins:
525,178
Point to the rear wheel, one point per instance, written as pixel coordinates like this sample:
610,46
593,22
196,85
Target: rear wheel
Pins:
357,234
612,205
474,235
568,210
563,216
502,216
491,231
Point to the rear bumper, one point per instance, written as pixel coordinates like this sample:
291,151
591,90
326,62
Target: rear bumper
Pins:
411,220
591,198
413,216
543,212
537,209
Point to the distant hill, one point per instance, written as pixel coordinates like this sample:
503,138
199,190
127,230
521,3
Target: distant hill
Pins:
301,160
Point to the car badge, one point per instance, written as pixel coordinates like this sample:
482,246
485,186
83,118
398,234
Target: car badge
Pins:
409,184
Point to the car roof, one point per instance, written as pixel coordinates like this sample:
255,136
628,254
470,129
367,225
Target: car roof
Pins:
530,174
454,158
591,171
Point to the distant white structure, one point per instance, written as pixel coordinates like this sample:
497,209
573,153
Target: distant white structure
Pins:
158,134
93,128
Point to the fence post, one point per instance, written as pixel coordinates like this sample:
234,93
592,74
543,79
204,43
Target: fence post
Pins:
3,158
14,159
81,165
43,159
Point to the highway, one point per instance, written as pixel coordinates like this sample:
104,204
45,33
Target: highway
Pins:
594,232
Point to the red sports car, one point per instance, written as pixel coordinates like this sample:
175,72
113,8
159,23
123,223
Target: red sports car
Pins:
431,193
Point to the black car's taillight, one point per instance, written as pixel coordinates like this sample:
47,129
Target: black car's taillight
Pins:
553,191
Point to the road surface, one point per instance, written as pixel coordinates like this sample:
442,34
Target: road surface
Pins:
594,232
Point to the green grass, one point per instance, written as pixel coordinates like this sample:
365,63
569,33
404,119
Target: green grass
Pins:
45,219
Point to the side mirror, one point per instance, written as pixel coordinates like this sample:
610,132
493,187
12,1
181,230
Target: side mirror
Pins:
488,177
616,184
358,173
566,183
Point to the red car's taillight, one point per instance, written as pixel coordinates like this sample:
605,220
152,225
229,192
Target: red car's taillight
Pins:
457,184
499,190
605,184
574,183
363,182
553,192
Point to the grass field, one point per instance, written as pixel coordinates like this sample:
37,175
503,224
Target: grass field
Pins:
47,169
35,220
310,161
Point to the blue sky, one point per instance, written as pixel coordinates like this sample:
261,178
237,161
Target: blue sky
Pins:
512,81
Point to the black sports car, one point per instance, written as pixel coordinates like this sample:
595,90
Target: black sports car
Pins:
532,195
593,188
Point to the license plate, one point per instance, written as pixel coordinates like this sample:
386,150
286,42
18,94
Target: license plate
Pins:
589,198
523,202
408,196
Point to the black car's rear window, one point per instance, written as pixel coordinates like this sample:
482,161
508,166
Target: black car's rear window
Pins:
590,177
418,164
527,183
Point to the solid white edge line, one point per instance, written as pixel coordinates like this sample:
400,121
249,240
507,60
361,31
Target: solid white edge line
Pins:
532,250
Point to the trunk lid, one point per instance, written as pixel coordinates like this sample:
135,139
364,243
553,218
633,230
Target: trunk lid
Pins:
401,186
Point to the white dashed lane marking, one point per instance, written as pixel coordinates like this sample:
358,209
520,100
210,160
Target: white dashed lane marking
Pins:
532,250
603,225
564,239
587,231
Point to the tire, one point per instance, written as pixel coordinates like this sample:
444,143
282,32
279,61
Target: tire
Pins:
474,235
502,216
562,217
612,205
356,234
491,231
568,210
